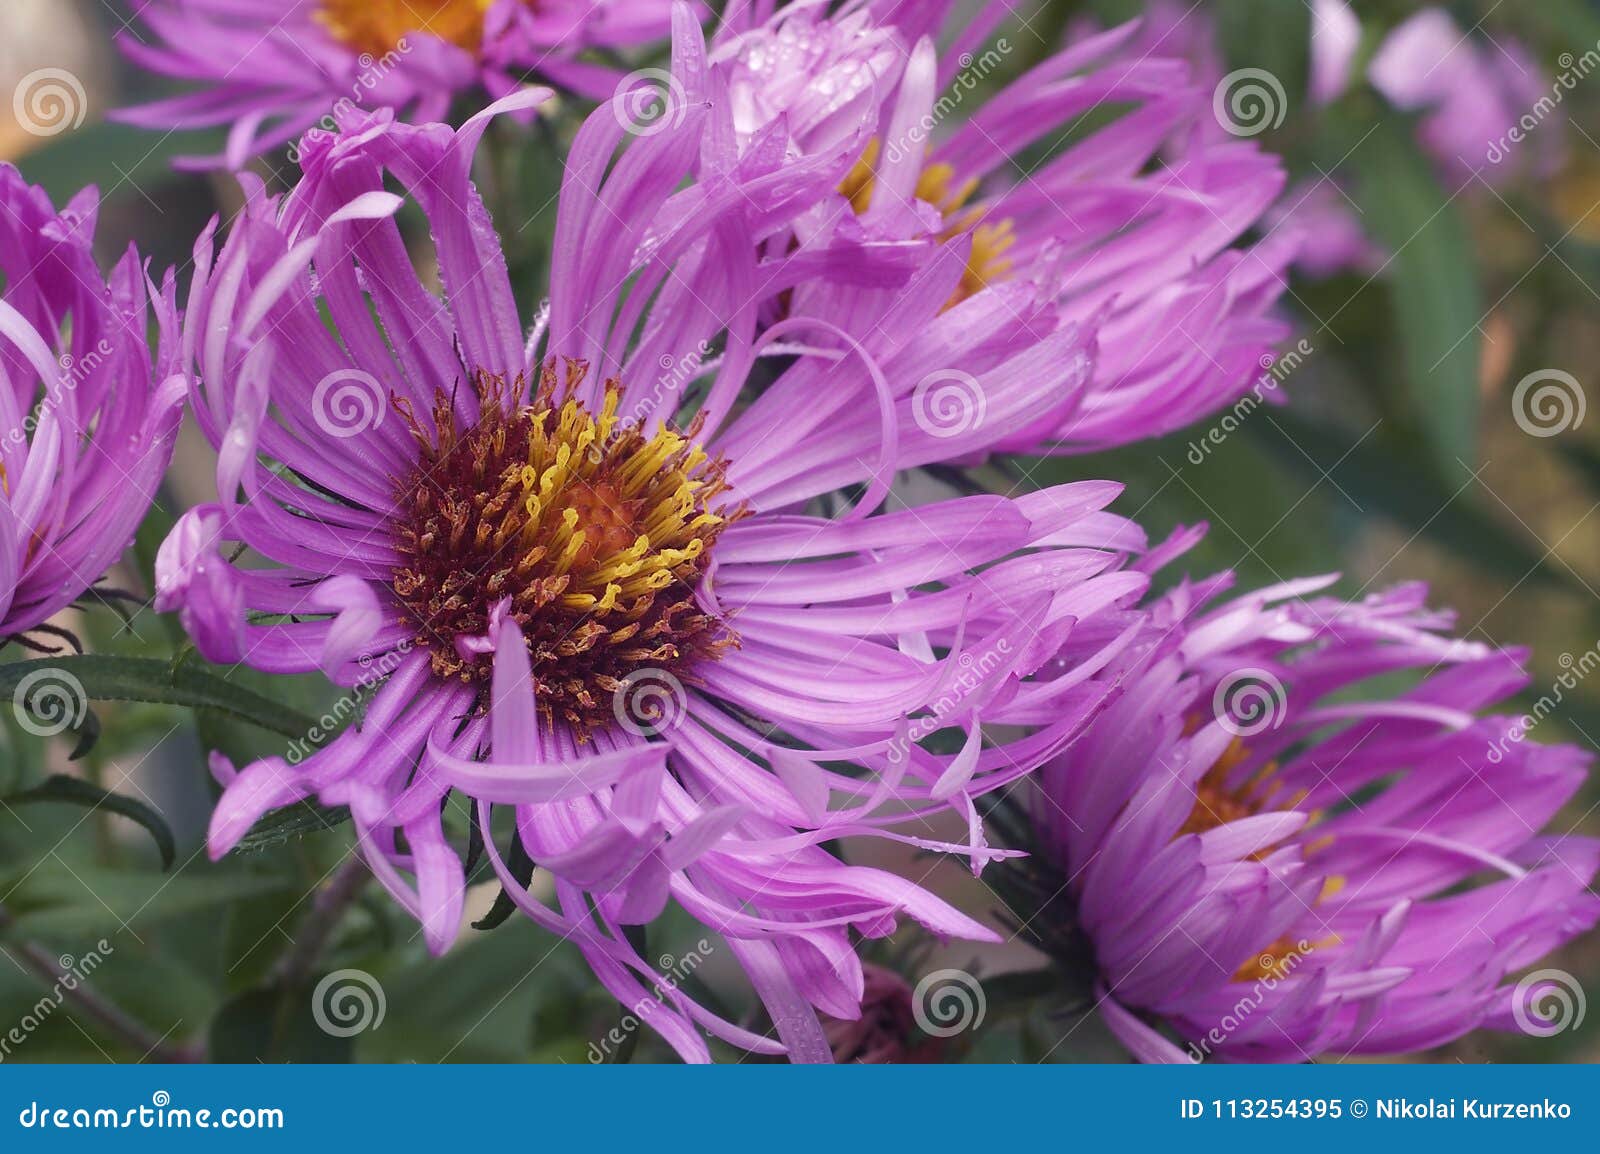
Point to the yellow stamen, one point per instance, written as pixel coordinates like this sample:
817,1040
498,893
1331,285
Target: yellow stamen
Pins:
596,532
987,262
1218,800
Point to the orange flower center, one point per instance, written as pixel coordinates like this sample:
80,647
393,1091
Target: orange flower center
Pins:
1218,801
378,26
594,532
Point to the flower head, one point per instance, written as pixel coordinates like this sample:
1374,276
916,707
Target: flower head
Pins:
1128,230
1277,857
89,418
1479,100
595,564
1473,96
271,69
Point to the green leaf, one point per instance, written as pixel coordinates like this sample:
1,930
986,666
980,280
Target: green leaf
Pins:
281,826
47,899
103,678
1433,287
113,157
1583,458
1384,481
1273,36
521,867
255,934
75,791
500,997
274,1025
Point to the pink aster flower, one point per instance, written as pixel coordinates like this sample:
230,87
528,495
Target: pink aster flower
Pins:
1130,231
1480,99
89,417
1275,858
1335,43
271,69
611,617
1484,99
1327,226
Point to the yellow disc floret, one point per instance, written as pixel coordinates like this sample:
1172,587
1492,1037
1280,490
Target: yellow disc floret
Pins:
987,263
593,532
378,26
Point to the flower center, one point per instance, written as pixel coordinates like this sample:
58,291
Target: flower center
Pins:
593,534
1216,803
987,262
378,26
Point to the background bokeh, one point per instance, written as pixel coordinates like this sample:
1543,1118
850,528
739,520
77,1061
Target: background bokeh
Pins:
1400,457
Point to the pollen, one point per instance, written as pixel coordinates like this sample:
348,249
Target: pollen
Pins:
1281,958
988,262
1219,799
379,26
593,532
